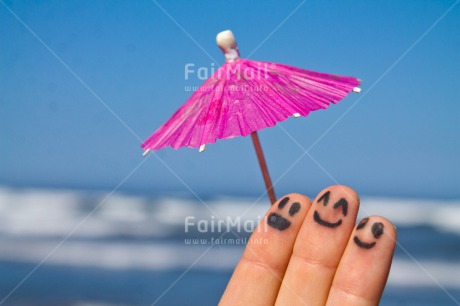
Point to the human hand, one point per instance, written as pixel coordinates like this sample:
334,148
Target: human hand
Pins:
314,254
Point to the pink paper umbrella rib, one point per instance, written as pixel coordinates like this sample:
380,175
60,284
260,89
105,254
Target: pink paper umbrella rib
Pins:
244,96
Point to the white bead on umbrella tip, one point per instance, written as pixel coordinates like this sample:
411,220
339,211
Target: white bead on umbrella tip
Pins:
202,148
225,40
357,89
227,43
146,152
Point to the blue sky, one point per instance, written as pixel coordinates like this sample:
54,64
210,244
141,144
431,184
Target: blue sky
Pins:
399,137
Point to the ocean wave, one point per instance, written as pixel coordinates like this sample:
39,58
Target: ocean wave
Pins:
443,215
34,222
172,256
38,212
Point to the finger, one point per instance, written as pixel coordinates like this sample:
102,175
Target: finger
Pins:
258,275
319,247
363,270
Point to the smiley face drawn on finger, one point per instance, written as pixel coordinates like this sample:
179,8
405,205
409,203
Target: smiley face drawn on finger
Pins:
342,203
376,229
277,221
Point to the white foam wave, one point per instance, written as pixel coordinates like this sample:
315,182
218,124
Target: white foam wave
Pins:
120,256
35,212
441,214
425,274
57,213
148,257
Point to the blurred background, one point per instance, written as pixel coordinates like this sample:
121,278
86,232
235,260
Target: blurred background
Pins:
86,220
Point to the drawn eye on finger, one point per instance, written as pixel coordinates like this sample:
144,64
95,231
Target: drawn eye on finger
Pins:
341,204
277,221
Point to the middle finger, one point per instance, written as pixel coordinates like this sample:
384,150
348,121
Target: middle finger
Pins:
319,246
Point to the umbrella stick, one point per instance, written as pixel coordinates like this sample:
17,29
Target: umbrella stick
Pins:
263,167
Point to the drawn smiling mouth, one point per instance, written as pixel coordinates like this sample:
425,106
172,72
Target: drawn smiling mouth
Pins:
277,221
318,219
363,244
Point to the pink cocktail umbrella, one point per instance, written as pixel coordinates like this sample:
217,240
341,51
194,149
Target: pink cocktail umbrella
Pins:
244,96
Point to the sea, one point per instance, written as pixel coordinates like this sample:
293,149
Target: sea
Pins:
96,248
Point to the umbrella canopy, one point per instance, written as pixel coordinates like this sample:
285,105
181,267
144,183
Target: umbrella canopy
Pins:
244,96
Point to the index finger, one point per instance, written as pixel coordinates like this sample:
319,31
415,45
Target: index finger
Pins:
258,276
